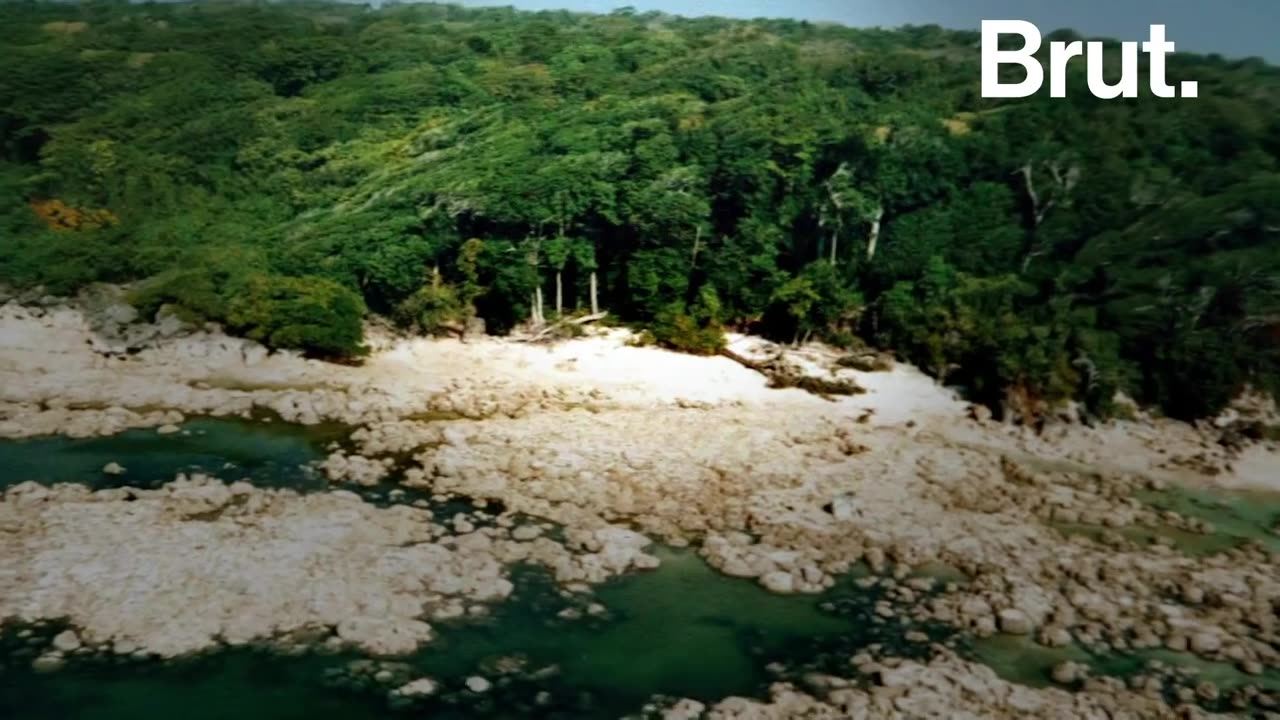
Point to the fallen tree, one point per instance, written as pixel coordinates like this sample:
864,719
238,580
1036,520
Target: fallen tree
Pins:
783,374
558,329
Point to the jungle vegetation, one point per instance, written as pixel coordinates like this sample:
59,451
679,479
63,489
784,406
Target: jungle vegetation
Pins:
285,169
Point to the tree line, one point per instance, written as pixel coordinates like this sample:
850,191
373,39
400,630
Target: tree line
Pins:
287,168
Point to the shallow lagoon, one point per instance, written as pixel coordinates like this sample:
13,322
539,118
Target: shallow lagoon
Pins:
274,454
683,630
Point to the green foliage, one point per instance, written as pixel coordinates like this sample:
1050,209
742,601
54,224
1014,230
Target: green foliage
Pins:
431,309
796,180
696,330
307,313
303,313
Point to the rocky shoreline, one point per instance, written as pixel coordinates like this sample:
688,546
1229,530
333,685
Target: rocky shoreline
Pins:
618,446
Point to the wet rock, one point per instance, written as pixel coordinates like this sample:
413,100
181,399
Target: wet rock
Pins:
49,662
778,582
1207,691
113,468
420,688
1068,673
1055,637
66,641
684,709
477,684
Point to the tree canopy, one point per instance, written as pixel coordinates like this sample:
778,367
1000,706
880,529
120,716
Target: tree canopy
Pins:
286,167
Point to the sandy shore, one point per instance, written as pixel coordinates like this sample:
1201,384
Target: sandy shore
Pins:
778,485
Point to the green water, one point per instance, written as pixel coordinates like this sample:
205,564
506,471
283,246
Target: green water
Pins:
1239,514
1238,517
1022,660
683,630
273,454
236,685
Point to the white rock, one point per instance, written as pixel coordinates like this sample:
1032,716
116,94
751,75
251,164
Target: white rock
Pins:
685,709
113,468
422,687
66,641
1203,643
525,533
1015,622
48,662
477,684
778,582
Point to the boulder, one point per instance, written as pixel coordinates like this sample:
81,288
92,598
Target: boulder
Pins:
778,582
66,641
1055,637
685,709
422,687
477,684
113,468
524,533
1015,622
1203,643
1068,673
48,662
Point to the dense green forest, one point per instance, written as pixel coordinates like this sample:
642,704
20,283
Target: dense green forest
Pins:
286,168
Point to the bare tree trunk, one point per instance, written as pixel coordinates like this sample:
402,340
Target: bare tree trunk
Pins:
595,305
835,242
533,308
542,319
559,295
873,236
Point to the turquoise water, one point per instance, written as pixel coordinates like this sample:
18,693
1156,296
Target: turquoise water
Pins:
683,630
274,454
1238,516
236,685
1022,660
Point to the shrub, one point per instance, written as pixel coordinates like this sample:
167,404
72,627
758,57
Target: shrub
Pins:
697,332
431,309
306,313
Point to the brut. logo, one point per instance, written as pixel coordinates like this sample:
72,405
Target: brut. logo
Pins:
1061,53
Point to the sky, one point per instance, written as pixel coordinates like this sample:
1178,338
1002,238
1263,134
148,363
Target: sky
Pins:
1233,28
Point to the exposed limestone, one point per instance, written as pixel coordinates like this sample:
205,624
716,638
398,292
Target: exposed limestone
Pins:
619,445
356,469
234,564
420,688
951,688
